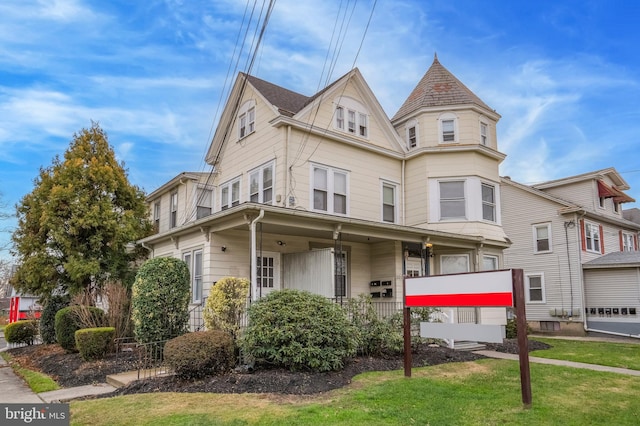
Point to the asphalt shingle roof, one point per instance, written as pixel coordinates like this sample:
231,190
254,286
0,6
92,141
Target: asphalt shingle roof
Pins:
287,101
617,258
437,88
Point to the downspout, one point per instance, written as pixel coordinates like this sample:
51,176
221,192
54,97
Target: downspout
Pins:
254,271
285,193
145,246
404,162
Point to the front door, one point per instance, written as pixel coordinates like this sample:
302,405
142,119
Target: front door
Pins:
268,273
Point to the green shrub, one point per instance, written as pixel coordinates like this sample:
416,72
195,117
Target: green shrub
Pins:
512,329
376,336
160,300
226,305
298,330
24,331
68,321
48,318
95,343
200,354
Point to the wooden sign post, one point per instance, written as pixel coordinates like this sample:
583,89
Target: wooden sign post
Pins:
503,288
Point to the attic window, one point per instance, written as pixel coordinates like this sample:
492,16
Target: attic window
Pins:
246,119
483,133
448,126
351,117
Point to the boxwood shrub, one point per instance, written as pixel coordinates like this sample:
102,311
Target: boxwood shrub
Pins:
200,354
95,343
299,330
160,300
68,321
24,331
226,305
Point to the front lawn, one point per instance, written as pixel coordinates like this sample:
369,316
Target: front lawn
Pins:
622,355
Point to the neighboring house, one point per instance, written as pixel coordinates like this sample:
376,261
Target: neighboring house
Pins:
579,254
325,193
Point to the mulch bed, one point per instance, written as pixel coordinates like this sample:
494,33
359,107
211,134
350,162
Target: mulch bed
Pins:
70,370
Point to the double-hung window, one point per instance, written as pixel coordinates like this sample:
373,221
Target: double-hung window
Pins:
230,194
412,140
592,237
174,209
535,288
156,216
330,188
483,133
542,238
628,242
448,131
388,202
261,184
193,259
247,122
452,200
488,202
204,202
351,117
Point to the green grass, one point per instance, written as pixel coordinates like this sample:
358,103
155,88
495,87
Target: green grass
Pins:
485,392
37,381
623,355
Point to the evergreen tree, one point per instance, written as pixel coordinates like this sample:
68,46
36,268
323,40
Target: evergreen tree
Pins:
75,227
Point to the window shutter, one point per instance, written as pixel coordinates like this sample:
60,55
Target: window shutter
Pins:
583,235
601,240
635,242
621,242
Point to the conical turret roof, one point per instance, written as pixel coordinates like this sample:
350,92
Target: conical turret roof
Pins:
438,88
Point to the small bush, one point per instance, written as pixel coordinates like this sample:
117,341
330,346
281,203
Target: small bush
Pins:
48,317
376,336
68,321
512,329
95,343
160,300
24,331
226,304
299,330
200,354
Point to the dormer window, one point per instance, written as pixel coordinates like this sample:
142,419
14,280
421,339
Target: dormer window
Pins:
448,124
355,115
246,119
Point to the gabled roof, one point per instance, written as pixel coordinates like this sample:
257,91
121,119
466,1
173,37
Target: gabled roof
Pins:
286,101
439,88
195,176
610,172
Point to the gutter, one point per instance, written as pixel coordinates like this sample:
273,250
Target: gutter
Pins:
613,333
254,270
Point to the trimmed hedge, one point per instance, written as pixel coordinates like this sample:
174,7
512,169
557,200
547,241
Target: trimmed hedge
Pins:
24,331
299,330
68,322
48,318
200,354
160,300
95,343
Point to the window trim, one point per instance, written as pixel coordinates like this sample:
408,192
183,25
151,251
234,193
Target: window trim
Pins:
412,142
196,291
464,199
443,257
534,228
394,188
351,117
198,201
261,189
157,213
173,209
625,238
246,119
493,204
446,117
228,187
330,189
484,133
527,284
590,237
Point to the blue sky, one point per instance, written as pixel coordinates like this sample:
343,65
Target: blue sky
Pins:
565,76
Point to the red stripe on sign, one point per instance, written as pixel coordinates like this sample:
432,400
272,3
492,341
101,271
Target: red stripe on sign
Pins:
477,299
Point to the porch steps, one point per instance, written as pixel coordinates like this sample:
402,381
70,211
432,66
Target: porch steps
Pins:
468,346
122,379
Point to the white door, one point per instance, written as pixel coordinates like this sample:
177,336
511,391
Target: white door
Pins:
268,273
